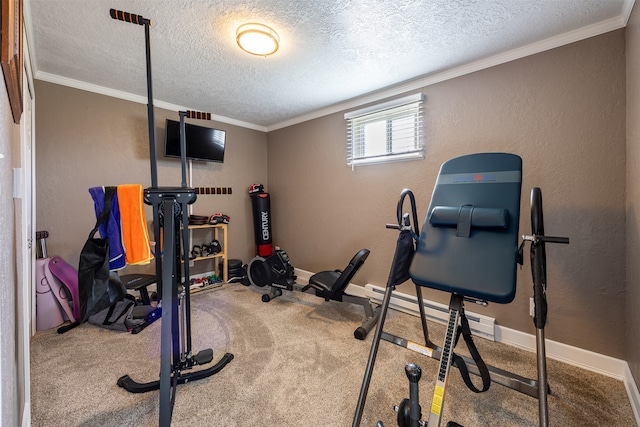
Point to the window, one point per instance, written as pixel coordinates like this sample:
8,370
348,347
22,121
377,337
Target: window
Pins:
386,132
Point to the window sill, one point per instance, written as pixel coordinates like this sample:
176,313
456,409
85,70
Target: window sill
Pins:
387,158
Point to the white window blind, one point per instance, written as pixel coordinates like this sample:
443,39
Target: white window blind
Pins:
386,132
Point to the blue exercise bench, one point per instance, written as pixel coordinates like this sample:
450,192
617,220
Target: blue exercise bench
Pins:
468,247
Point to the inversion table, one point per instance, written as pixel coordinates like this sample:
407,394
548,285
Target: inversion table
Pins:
468,247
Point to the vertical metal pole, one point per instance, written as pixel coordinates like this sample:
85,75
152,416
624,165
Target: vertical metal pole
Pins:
183,149
543,408
176,280
423,318
186,309
167,317
150,115
187,293
539,291
372,356
437,402
152,156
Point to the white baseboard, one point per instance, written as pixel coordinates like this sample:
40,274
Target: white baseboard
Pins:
632,392
575,356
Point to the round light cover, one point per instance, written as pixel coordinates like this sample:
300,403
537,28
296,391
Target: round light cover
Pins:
257,39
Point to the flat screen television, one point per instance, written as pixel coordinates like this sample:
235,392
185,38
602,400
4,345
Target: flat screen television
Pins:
202,143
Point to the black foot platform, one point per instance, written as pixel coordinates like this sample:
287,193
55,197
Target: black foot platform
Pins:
133,386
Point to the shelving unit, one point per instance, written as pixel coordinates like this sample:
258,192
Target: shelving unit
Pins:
219,234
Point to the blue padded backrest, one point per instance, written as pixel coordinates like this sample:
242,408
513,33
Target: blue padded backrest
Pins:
469,240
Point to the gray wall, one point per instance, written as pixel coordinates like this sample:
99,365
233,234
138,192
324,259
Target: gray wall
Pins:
633,192
87,140
562,111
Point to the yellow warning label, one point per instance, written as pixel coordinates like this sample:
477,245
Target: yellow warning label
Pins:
419,348
438,397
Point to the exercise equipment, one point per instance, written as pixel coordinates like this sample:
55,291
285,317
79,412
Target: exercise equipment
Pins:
143,310
469,248
170,208
139,283
332,285
277,272
539,274
236,269
50,310
274,269
261,203
268,267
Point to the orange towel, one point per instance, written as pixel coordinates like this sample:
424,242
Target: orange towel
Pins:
135,236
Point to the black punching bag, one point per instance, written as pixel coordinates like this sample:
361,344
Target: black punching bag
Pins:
261,219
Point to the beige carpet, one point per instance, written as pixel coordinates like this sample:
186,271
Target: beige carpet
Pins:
296,364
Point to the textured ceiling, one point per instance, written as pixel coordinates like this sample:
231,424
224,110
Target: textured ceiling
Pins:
331,51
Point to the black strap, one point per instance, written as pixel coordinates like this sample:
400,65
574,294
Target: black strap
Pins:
65,328
465,330
107,320
109,192
464,221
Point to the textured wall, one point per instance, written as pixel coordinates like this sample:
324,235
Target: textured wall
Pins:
10,150
562,111
86,140
633,192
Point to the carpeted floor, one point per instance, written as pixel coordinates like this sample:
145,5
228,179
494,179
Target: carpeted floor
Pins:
296,364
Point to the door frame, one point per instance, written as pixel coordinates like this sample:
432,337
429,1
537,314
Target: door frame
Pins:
25,315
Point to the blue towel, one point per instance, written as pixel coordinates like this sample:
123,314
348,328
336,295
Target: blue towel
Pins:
116,250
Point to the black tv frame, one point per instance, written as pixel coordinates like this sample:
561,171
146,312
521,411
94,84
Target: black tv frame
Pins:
203,143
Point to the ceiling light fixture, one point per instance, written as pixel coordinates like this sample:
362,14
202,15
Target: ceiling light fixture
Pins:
257,39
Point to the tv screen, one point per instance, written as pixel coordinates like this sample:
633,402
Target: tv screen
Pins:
202,143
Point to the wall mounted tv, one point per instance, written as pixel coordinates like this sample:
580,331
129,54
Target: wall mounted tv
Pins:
202,143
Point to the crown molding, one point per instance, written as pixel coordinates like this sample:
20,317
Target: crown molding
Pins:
77,84
551,43
491,61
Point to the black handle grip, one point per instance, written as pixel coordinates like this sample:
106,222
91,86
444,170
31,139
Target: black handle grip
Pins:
128,17
413,372
198,115
549,239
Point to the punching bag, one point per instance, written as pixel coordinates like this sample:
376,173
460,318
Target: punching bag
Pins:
261,219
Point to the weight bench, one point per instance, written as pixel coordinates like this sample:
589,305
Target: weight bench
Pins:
139,283
332,284
468,247
277,272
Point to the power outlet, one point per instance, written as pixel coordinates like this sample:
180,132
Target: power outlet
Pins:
532,308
